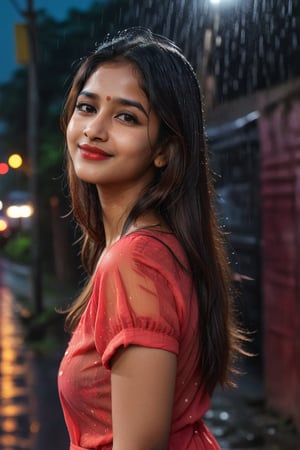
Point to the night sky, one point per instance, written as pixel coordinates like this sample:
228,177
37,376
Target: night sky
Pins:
9,16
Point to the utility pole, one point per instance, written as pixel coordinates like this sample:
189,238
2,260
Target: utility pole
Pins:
32,143
32,146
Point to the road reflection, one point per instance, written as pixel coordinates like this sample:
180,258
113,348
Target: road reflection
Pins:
18,422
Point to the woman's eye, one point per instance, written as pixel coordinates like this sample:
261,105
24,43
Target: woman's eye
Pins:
128,118
85,107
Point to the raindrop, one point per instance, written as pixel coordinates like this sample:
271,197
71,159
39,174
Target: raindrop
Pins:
224,415
243,36
210,414
219,431
236,29
271,431
250,436
261,46
218,41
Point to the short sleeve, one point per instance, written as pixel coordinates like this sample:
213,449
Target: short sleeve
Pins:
134,300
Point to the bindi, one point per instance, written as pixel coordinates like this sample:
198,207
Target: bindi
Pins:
108,98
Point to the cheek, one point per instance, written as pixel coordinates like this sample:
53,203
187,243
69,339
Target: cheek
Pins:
142,143
133,145
71,132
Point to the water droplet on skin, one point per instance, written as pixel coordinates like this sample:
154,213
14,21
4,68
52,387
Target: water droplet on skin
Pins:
186,400
60,373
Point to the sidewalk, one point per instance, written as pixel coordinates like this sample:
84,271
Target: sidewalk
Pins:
240,420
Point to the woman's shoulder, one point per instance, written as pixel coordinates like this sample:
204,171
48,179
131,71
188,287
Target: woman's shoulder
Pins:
151,244
148,247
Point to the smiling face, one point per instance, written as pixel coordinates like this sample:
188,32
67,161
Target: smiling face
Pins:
112,132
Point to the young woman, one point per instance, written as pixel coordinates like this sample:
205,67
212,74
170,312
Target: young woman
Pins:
153,330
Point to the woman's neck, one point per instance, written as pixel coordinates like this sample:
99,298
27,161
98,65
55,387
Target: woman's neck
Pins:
115,210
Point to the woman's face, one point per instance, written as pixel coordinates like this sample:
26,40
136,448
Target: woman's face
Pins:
112,131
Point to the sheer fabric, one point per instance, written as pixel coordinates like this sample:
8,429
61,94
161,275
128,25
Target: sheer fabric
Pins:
142,295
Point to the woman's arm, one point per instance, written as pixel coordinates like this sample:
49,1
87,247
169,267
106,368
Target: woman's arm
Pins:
143,381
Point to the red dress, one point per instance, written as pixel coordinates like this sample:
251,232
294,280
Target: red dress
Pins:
141,296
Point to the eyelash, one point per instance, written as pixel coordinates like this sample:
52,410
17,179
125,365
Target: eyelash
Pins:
128,118
86,108
81,106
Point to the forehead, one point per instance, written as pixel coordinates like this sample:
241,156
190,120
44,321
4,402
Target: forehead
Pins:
116,77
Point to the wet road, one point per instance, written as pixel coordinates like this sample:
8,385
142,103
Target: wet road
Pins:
31,417
18,412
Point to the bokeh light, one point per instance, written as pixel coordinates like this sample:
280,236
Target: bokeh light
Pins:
3,168
15,161
3,225
19,211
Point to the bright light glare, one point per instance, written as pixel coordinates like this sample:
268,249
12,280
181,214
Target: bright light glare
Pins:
3,225
17,212
26,211
215,2
15,161
13,212
1,205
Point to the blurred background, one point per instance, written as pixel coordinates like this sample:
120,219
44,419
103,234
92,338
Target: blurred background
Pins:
246,54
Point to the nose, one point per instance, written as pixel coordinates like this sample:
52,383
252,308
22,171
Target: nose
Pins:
96,129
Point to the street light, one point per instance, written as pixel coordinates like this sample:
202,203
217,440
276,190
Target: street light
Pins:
19,211
15,161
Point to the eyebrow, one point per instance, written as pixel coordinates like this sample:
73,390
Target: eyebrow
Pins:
122,101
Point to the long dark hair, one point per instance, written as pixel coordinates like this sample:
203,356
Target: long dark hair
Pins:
182,194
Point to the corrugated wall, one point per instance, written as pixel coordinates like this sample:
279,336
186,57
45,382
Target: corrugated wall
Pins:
279,127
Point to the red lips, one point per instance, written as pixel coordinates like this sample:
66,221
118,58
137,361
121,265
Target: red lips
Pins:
93,153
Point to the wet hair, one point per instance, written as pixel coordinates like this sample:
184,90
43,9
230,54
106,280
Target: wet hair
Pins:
182,193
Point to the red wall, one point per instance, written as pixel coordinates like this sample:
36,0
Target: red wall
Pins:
279,127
